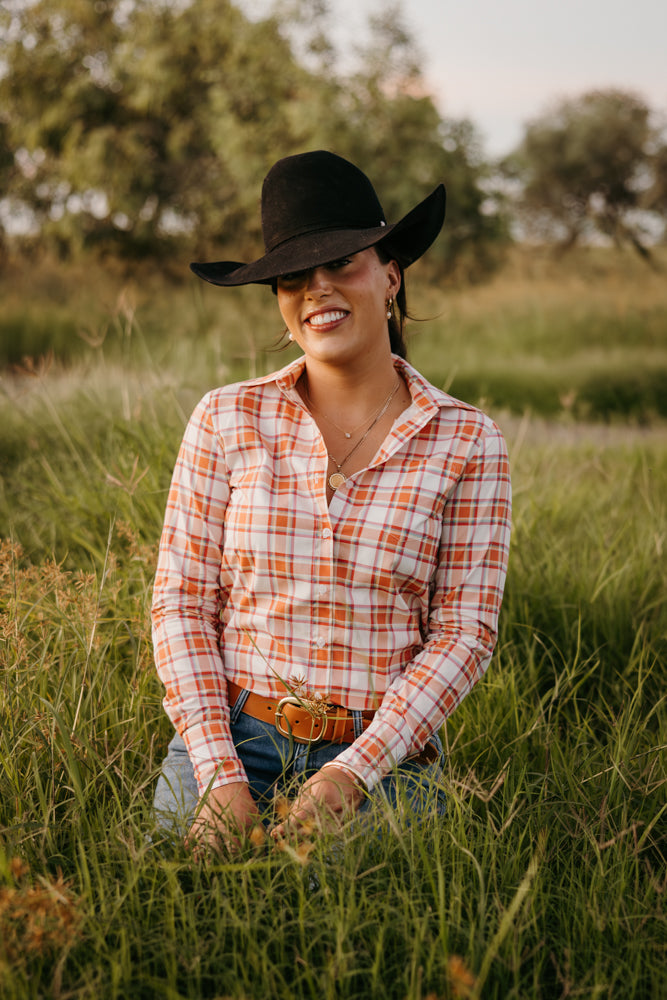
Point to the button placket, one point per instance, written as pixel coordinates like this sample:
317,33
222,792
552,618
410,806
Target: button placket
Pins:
322,589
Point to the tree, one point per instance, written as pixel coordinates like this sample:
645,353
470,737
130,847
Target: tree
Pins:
655,196
585,166
139,122
6,173
145,128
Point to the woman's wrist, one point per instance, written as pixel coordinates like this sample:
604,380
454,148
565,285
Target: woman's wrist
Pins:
356,778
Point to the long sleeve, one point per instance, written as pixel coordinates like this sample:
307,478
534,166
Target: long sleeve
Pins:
187,602
463,617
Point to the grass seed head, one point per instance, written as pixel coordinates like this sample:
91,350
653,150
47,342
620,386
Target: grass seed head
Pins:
35,919
461,980
258,835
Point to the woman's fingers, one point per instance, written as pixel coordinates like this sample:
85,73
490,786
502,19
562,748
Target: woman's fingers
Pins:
331,794
227,816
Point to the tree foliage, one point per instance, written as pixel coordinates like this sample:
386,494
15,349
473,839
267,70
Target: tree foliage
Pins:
591,164
139,127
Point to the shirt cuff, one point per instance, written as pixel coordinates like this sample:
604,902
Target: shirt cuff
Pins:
211,774
359,781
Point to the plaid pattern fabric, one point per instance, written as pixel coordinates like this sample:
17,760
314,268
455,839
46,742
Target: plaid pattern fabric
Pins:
386,599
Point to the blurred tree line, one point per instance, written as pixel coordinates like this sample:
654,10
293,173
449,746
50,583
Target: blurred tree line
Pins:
141,128
129,126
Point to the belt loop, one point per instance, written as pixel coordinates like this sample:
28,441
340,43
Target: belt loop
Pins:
237,707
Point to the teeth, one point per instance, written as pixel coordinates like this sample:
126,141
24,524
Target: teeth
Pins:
328,317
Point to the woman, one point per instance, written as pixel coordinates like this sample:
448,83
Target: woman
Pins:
336,535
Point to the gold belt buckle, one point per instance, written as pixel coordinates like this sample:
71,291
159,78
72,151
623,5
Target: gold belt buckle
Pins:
290,699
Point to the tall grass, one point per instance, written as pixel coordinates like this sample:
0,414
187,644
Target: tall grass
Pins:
585,339
546,878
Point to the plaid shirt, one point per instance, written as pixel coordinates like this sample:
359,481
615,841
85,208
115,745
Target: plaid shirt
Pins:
387,598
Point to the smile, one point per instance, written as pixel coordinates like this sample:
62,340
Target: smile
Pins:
325,318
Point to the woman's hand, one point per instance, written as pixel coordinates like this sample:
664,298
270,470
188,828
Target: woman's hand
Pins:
228,816
332,793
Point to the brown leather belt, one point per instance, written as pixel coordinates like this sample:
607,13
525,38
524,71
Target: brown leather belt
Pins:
327,724
293,719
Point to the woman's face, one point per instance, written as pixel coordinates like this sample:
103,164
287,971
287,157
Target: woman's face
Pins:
337,313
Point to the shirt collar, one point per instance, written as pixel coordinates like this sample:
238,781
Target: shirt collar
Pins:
424,395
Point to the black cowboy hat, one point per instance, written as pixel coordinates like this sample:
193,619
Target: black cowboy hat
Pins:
318,207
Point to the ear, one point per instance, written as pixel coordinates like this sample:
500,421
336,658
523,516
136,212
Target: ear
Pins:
393,279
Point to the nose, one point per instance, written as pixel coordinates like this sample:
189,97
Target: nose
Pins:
318,282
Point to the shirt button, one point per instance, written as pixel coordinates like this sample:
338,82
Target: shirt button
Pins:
326,533
323,591
321,643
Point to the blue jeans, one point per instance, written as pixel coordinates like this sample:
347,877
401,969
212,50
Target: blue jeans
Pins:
275,765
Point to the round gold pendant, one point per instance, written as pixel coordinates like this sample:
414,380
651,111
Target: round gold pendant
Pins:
336,479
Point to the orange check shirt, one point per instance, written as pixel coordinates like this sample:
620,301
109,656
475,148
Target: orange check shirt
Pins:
388,598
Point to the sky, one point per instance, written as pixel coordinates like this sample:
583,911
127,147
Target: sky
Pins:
502,62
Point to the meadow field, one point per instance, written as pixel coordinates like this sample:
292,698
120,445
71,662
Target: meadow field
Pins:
547,877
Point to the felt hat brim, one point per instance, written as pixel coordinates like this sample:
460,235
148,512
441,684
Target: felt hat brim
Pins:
405,241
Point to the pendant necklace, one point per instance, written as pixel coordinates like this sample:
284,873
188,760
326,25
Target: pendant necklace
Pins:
337,478
348,434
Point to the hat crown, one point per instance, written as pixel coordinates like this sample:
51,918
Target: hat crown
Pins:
316,192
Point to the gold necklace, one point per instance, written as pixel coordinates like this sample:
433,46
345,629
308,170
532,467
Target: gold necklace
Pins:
348,434
337,478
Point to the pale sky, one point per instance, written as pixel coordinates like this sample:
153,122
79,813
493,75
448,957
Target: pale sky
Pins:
500,62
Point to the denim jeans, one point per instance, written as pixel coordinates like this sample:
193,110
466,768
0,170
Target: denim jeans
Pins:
276,765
